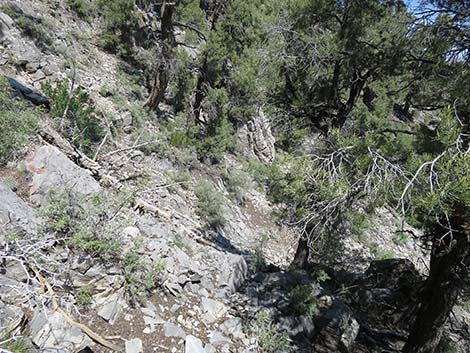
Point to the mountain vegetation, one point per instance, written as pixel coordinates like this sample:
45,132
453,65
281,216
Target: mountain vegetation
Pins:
367,100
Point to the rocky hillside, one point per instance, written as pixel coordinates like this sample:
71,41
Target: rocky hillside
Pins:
126,241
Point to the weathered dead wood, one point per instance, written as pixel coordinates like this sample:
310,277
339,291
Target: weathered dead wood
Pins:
45,285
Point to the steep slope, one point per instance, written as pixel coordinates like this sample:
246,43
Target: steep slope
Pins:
116,250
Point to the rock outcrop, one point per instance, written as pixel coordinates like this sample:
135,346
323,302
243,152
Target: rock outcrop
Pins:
52,171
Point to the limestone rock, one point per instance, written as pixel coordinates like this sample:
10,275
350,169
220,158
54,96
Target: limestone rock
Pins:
172,330
260,138
213,310
112,308
52,331
234,271
14,212
52,170
217,339
338,329
134,346
193,345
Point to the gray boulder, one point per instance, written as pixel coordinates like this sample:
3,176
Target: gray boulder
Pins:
234,271
14,212
172,330
52,171
193,345
338,329
52,331
134,346
261,138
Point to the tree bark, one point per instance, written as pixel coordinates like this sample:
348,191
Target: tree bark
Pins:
301,255
442,288
162,73
213,11
201,91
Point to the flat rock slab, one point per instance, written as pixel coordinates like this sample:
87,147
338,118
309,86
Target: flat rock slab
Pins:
14,212
52,171
52,331
134,346
193,345
172,330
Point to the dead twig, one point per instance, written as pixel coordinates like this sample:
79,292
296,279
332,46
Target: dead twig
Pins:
45,285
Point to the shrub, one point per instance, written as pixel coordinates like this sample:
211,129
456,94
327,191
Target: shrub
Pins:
139,277
259,257
359,224
16,345
400,238
236,182
380,253
210,204
303,301
183,81
321,276
284,180
120,18
131,268
113,42
84,297
82,8
80,124
271,339
18,122
85,223
219,138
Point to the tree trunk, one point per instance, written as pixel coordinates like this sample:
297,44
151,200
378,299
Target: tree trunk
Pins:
213,11
162,73
442,288
354,91
301,255
201,91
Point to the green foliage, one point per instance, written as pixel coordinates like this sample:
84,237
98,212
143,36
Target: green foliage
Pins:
120,19
303,300
236,182
114,43
132,265
210,204
321,276
220,139
321,80
233,59
75,115
17,345
380,253
260,261
359,224
291,139
400,238
9,182
83,8
271,339
446,345
183,81
284,180
191,13
84,297
170,142
82,222
141,277
18,120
